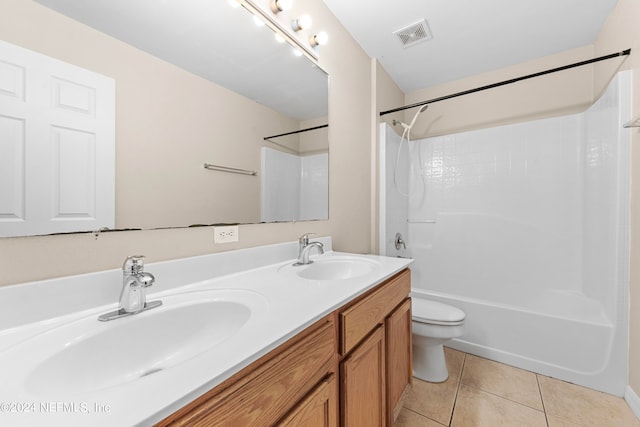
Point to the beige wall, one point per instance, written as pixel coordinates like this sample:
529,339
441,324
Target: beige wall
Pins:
621,31
388,95
34,258
551,95
315,141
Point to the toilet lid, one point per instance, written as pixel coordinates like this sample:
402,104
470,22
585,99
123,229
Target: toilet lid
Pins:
428,311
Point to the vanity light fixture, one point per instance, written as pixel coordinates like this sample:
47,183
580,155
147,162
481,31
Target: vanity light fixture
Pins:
278,6
293,27
301,23
234,3
319,39
279,38
296,51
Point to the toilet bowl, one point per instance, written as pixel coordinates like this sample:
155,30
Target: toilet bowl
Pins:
433,324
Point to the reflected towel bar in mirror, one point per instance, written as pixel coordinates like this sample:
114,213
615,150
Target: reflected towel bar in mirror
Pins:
228,169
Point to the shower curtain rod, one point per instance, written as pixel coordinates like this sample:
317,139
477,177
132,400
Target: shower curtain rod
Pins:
266,138
506,82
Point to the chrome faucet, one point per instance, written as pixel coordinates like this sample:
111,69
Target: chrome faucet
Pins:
133,296
304,247
135,282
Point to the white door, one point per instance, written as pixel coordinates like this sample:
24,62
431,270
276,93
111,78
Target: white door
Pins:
57,145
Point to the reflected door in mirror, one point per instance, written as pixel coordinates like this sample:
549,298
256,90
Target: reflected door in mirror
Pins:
57,145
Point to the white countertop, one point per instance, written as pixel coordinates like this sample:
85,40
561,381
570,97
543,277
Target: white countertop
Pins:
292,304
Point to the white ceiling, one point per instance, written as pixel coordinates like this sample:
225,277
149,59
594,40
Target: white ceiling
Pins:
469,36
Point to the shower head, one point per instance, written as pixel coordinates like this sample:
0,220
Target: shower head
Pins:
421,110
413,121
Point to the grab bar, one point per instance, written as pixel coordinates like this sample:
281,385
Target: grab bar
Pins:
228,169
421,221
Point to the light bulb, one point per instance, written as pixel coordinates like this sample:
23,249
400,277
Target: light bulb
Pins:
319,39
278,6
302,23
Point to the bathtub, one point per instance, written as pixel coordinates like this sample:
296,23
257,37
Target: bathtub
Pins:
527,305
559,334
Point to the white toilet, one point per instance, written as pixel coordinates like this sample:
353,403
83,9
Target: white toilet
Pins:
433,324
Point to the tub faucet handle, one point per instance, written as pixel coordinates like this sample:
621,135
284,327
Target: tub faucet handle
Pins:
400,242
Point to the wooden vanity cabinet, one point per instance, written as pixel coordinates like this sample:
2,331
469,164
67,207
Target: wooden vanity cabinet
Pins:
375,352
351,368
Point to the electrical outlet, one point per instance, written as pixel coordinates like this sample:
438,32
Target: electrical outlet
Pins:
225,234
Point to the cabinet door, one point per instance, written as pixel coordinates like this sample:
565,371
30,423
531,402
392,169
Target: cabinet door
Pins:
362,379
399,362
318,409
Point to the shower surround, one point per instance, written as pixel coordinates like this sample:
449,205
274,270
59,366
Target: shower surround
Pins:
293,187
525,228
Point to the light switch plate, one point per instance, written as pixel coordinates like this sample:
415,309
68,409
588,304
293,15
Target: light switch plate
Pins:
225,234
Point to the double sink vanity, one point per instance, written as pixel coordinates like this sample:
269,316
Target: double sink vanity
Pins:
240,338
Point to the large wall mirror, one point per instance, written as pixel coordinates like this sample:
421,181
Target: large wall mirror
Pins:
196,82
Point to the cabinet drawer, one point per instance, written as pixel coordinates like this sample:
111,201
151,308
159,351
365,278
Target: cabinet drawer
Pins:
361,317
266,390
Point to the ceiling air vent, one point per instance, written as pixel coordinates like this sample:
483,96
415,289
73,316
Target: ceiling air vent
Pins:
414,34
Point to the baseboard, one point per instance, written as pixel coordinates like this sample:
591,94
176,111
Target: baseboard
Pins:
632,400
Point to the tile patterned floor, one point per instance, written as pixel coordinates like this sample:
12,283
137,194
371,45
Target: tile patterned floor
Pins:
481,392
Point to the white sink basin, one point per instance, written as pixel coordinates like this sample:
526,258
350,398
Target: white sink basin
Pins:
88,355
334,268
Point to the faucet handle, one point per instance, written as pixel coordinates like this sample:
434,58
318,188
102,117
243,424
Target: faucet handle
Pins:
304,239
133,264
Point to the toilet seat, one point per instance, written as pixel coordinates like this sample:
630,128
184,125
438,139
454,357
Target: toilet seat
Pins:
435,313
